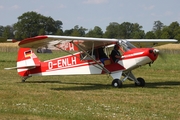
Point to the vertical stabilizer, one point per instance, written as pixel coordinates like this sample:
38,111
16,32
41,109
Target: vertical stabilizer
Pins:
26,60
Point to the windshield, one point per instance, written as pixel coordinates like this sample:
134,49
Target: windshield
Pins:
126,45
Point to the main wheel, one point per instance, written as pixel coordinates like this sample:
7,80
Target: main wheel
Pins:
117,83
141,82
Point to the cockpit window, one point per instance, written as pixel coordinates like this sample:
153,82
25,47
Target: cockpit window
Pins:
126,45
84,56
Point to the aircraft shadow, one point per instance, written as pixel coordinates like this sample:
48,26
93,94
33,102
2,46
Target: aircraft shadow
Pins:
94,86
82,86
91,86
49,81
165,84
77,86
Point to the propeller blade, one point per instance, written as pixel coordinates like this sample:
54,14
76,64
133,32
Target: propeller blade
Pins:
162,55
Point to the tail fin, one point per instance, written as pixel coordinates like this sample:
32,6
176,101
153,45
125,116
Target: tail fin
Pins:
26,60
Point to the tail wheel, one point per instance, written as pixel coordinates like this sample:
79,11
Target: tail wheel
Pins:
117,83
141,82
24,78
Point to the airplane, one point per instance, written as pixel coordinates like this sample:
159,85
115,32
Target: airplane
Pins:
86,59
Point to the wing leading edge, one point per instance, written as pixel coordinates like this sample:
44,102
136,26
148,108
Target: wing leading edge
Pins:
150,42
86,42
64,41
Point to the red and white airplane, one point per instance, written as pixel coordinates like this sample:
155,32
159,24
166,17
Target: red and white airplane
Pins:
87,59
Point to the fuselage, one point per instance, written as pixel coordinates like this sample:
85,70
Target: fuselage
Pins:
137,57
76,65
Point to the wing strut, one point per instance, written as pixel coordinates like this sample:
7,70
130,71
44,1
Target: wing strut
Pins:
106,70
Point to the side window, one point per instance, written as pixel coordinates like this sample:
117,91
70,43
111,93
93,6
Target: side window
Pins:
127,45
121,50
84,56
101,53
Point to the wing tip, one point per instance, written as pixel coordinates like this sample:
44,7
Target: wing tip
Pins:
32,39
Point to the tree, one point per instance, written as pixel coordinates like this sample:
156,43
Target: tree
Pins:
177,37
137,33
158,25
31,24
96,32
90,33
78,31
59,32
174,29
82,31
8,32
58,25
68,32
1,30
171,32
126,30
112,31
75,31
28,25
150,35
42,31
165,33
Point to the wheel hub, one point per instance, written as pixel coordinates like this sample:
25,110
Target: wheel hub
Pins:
115,84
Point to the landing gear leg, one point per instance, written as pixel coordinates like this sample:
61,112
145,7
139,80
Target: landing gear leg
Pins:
138,81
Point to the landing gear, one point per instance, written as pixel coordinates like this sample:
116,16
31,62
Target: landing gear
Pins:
117,83
140,83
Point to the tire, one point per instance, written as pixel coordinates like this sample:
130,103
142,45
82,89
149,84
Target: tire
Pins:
141,81
117,83
23,81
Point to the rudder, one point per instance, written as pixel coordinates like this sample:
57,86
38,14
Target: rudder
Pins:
26,60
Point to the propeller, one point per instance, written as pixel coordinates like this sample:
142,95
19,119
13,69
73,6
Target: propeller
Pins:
160,53
156,51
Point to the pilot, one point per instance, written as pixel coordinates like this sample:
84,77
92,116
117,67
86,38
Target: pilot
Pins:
115,54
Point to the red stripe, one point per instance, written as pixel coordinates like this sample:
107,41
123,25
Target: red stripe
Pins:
42,68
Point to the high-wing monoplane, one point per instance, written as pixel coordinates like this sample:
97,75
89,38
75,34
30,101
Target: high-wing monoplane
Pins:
87,59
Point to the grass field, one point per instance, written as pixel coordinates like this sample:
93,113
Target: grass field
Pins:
91,97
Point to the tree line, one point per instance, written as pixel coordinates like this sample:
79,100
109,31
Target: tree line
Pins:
31,24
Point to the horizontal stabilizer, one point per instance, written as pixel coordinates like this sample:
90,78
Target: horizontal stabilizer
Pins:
25,67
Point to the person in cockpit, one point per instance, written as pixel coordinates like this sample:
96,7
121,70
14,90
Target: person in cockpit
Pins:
102,55
115,54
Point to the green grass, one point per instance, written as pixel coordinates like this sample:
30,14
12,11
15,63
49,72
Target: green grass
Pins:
91,97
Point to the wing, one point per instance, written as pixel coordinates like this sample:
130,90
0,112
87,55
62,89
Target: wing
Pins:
86,43
65,42
150,42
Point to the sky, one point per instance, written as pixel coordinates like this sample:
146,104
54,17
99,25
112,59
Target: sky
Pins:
91,13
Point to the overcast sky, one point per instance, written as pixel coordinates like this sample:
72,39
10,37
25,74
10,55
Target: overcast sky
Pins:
91,13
